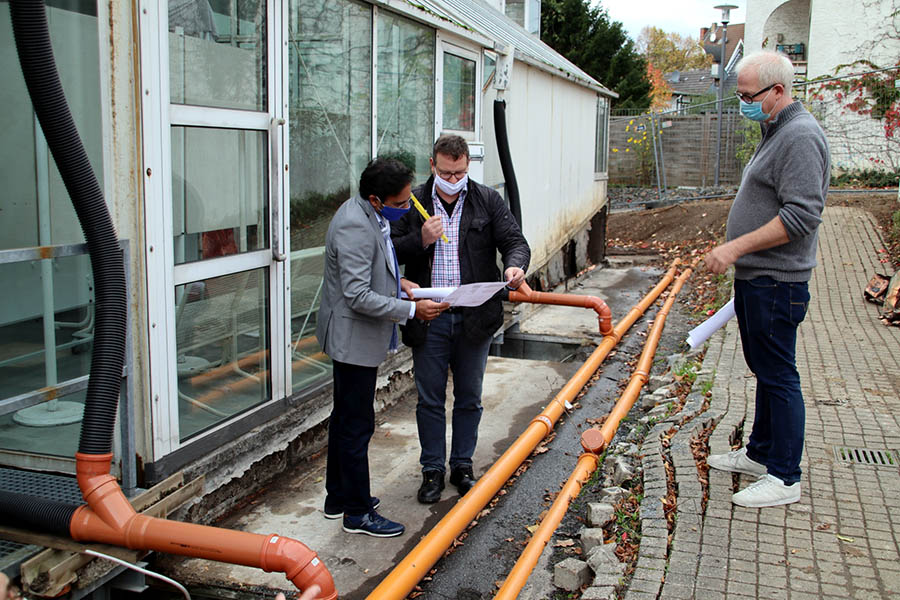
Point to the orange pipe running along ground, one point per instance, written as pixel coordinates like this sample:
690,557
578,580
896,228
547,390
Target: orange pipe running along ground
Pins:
109,517
594,441
404,577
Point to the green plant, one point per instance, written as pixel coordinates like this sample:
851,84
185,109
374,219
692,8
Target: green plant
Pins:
706,386
687,372
750,135
866,178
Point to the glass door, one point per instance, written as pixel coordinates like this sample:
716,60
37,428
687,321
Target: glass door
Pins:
223,148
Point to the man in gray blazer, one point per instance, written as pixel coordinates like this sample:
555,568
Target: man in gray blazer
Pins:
357,325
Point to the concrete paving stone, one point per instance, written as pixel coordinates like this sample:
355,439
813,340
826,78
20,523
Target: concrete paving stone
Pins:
800,584
743,576
799,595
736,587
834,590
683,568
607,592
860,571
639,596
676,592
645,585
647,564
710,573
740,565
570,574
773,593
713,582
606,580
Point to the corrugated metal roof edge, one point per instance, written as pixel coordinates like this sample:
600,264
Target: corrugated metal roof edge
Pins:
554,70
423,13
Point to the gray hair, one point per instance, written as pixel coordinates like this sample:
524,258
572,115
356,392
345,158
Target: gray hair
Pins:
772,68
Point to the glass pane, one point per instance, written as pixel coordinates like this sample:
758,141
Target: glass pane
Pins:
405,91
222,348
459,93
330,109
217,53
219,192
34,206
330,53
490,64
28,326
602,133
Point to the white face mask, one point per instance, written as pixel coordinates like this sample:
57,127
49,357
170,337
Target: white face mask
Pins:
451,189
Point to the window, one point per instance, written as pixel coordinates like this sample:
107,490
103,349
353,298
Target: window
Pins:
48,303
459,93
405,91
600,150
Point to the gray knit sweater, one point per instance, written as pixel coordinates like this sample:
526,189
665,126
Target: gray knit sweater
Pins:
787,176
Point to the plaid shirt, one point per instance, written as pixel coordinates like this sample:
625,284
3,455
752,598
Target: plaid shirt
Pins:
445,270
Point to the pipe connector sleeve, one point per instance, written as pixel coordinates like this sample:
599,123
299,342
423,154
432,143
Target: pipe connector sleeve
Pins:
299,564
592,441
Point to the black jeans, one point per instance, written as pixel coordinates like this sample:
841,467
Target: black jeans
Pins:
768,313
349,431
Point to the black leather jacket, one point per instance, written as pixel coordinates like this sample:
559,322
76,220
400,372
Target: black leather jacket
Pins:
487,226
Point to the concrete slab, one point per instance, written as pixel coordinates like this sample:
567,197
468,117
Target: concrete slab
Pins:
515,391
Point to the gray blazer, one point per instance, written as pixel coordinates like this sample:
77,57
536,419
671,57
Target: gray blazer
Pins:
359,293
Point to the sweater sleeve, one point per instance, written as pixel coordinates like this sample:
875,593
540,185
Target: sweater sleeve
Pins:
802,182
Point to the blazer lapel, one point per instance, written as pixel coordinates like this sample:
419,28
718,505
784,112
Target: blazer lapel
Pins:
373,221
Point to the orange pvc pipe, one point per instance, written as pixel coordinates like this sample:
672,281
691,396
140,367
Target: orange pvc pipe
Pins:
594,442
604,315
404,577
108,517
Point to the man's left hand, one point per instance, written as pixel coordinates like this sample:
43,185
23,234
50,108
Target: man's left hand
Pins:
720,258
514,277
407,287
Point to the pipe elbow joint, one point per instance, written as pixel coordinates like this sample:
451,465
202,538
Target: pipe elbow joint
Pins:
604,315
299,564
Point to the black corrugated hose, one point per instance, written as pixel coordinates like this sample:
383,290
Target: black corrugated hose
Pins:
509,174
28,512
29,20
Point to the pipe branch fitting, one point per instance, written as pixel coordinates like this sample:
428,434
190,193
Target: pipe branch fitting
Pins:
101,491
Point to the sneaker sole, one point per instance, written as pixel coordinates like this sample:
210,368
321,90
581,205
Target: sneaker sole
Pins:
340,515
766,504
381,535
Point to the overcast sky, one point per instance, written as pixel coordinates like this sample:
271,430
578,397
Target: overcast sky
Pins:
680,16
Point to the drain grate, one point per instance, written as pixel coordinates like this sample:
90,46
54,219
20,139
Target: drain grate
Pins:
60,488
866,456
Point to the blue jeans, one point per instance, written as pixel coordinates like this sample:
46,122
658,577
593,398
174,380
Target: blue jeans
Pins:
768,313
446,345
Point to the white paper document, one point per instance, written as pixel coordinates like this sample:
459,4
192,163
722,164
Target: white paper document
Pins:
471,294
701,332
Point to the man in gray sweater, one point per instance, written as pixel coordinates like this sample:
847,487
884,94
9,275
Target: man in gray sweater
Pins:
771,241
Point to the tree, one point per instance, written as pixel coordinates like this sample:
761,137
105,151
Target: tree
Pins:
660,93
600,47
671,51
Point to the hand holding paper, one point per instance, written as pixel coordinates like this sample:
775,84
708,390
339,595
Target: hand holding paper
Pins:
701,332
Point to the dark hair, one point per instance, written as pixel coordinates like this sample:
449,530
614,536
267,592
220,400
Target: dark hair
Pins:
450,145
384,177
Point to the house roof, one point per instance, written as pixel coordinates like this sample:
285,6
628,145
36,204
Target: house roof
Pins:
695,82
734,34
486,20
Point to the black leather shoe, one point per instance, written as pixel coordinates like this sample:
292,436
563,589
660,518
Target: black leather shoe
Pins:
372,524
432,486
463,479
336,512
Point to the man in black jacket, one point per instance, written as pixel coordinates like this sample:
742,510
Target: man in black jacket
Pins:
476,223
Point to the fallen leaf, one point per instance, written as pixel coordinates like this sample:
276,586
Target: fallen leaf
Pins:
319,479
565,543
844,538
532,528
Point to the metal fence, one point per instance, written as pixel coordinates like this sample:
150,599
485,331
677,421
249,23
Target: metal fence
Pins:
678,149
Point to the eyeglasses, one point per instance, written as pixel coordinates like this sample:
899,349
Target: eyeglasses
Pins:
404,204
446,175
748,98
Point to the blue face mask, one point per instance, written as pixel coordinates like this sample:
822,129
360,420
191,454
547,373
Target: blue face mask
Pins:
754,111
391,213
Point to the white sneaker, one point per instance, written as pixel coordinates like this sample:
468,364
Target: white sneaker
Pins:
768,490
736,462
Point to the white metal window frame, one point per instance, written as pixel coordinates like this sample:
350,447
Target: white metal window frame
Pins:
450,44
601,126
158,117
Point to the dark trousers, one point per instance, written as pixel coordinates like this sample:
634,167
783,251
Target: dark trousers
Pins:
446,345
349,431
768,313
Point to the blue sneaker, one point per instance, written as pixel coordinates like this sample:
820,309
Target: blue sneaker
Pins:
372,524
337,513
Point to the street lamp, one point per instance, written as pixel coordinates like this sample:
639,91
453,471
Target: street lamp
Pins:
726,9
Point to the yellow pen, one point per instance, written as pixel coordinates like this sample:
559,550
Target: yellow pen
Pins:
424,213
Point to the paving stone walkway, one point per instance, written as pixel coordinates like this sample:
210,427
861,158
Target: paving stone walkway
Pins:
841,540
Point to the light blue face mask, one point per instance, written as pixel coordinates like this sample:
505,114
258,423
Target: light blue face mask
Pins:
754,111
